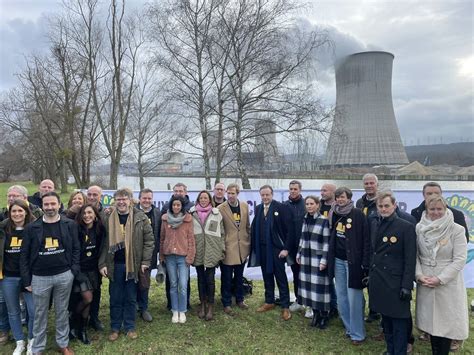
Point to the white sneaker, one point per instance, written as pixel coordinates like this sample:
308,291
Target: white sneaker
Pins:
175,318
29,348
20,347
308,313
182,317
296,307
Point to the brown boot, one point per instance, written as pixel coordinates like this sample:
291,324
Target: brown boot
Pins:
209,314
202,310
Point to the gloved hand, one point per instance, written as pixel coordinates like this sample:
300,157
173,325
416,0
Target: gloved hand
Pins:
405,294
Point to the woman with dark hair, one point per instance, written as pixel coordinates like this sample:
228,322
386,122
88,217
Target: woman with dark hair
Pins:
314,291
210,248
348,261
177,250
441,301
11,237
91,235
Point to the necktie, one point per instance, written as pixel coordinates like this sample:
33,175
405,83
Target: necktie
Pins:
265,210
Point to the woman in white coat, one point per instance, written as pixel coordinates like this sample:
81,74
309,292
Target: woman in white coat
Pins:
441,300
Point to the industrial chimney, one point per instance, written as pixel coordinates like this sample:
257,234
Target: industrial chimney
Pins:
364,132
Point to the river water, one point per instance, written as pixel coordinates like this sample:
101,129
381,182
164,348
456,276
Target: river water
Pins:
166,183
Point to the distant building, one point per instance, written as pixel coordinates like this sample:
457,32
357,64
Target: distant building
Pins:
364,131
265,142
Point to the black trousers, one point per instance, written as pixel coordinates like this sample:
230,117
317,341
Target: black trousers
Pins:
440,345
278,274
206,283
396,334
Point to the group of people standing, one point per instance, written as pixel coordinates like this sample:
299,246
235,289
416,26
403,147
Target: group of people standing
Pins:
335,249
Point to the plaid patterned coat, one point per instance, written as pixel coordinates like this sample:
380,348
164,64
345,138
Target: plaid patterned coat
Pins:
314,288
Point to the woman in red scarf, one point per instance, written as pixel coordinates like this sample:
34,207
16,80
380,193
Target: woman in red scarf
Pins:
210,248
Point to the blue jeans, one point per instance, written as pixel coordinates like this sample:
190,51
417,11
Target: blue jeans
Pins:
123,300
350,302
11,292
226,283
4,324
178,273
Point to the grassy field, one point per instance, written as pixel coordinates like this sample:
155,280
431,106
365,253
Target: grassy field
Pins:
32,188
247,332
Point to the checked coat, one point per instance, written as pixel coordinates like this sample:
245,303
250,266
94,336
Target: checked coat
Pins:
314,288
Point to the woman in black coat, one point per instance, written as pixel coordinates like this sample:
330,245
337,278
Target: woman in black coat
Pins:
348,261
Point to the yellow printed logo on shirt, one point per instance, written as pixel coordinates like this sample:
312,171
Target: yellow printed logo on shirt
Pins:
51,242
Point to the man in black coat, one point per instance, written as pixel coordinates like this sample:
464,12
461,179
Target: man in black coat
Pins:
296,204
272,238
145,204
432,188
392,271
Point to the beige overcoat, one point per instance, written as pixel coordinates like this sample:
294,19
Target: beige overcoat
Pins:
237,237
442,311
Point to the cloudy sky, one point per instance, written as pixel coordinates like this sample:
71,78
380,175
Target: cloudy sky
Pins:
432,40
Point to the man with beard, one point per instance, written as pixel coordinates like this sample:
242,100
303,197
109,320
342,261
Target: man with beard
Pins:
49,260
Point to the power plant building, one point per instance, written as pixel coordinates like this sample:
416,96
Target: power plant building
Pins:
365,131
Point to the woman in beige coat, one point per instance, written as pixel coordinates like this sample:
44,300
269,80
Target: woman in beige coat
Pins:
441,301
210,248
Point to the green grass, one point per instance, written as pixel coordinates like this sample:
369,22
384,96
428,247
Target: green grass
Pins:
32,188
247,332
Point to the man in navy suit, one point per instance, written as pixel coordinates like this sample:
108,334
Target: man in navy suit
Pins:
271,239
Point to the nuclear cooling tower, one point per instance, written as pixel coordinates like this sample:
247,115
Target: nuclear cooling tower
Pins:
364,132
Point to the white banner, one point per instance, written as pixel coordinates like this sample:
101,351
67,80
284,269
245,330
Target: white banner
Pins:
406,199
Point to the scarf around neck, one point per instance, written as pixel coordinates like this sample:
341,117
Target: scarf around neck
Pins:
430,233
175,221
340,210
121,237
203,212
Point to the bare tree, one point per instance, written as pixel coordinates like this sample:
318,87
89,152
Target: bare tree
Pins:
183,31
150,131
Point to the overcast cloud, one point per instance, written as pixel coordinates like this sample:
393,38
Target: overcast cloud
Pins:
433,70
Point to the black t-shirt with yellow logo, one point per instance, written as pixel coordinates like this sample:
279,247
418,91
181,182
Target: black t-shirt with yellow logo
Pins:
324,209
52,255
119,255
11,256
339,223
236,214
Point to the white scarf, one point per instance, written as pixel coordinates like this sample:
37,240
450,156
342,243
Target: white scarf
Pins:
430,233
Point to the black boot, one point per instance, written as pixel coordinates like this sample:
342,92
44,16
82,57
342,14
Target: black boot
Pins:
316,318
324,320
82,331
